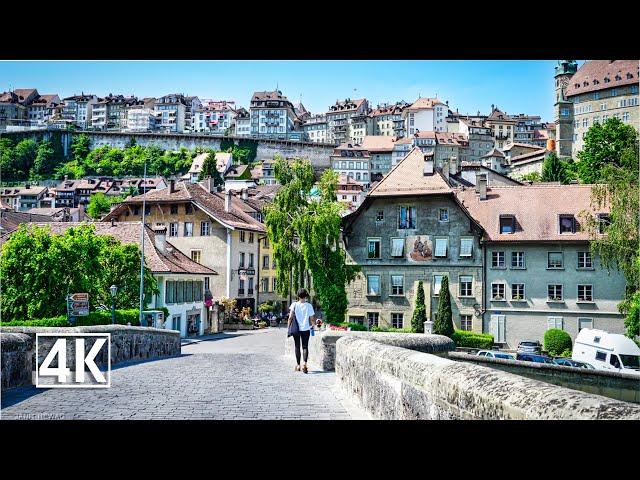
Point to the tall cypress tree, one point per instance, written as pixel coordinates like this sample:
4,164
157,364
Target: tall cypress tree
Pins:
420,312
443,324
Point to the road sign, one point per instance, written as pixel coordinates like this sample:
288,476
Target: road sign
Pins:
247,271
78,304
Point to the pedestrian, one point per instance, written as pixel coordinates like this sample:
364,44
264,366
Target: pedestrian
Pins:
301,312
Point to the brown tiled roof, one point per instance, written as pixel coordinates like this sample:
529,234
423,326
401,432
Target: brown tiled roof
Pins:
236,171
522,145
599,69
407,178
23,93
32,190
210,203
530,156
346,105
423,103
536,209
494,153
275,95
425,134
378,143
451,138
10,220
498,115
129,232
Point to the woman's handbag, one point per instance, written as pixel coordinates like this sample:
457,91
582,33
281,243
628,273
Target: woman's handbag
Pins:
294,329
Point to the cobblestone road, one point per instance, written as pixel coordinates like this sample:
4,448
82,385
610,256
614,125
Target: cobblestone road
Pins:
233,375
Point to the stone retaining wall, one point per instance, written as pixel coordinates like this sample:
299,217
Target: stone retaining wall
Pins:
620,386
391,382
127,343
322,346
17,360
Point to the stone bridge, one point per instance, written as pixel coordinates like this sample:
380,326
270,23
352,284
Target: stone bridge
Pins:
250,375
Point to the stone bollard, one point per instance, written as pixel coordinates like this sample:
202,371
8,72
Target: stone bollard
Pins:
428,326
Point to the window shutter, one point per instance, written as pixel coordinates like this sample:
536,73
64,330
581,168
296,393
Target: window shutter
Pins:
493,326
397,247
441,247
466,246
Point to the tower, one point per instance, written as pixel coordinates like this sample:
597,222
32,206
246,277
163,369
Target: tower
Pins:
563,108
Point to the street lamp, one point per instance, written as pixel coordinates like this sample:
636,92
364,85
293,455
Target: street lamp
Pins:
114,290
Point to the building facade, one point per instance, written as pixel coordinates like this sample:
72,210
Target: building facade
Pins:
425,115
411,228
272,116
502,127
315,129
539,270
340,124
171,110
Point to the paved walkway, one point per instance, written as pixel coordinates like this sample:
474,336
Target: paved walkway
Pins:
233,375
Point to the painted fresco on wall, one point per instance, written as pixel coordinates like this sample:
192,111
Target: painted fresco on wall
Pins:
420,248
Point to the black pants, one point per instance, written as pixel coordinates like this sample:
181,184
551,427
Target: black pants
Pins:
304,335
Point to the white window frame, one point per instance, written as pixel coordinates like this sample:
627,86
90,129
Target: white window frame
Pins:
434,283
497,254
504,292
549,267
468,319
590,319
379,241
555,322
465,279
379,292
400,292
401,314
522,256
587,255
549,299
440,211
578,292
524,292
188,232
199,252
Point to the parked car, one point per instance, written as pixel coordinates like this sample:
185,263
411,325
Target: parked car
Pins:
567,362
494,354
607,351
529,346
532,357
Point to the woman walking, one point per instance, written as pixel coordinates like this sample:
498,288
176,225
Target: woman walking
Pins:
302,313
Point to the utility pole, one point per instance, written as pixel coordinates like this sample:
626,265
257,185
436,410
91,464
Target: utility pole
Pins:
144,207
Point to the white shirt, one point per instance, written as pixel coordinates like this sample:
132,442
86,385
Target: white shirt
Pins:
303,312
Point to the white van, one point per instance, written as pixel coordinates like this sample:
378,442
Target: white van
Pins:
607,351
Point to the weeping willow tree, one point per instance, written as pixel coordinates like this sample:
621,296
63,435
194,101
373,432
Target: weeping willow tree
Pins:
304,232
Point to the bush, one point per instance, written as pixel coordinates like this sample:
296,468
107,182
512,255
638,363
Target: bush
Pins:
420,312
354,326
463,338
443,324
99,317
247,321
262,324
567,353
391,329
556,341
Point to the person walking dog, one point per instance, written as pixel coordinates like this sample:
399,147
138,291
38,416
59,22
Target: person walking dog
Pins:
301,316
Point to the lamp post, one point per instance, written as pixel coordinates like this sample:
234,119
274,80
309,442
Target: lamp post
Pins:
114,290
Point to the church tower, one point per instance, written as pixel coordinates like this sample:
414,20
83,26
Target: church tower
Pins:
563,108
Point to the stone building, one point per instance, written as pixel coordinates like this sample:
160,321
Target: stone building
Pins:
479,138
315,129
387,120
410,227
598,90
272,116
539,271
353,161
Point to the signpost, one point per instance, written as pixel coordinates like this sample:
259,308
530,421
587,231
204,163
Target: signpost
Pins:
77,305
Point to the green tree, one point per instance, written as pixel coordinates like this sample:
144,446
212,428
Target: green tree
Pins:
531,177
7,167
617,192
443,324
420,312
25,154
305,236
99,204
209,169
39,270
44,163
554,169
80,147
604,144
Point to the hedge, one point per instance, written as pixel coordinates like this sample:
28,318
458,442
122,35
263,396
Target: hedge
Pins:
556,341
392,329
99,317
463,338
353,326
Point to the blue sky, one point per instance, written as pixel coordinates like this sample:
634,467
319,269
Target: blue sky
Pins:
516,86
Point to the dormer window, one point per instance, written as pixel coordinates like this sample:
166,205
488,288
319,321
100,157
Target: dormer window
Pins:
585,84
618,78
629,76
603,222
607,79
507,224
567,224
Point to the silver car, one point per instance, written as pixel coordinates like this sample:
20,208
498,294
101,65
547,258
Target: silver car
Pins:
494,354
529,346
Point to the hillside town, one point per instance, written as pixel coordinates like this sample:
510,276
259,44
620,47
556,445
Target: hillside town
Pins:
426,192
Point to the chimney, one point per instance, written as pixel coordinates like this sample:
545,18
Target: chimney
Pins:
227,201
66,177
160,238
453,165
172,186
245,193
445,170
428,165
481,186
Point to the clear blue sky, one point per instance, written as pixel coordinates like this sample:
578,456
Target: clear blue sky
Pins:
516,86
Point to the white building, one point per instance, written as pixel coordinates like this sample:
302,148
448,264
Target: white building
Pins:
78,109
141,119
172,112
425,114
272,115
315,129
242,123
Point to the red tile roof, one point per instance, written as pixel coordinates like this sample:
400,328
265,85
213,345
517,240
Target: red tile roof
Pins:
536,209
590,77
424,103
407,178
